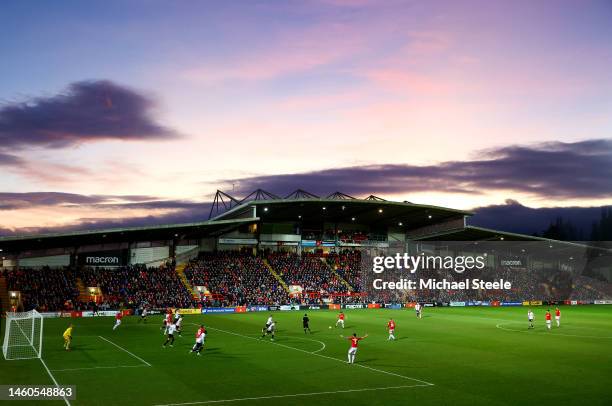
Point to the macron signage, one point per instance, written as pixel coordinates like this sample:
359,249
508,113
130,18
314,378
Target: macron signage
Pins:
101,260
110,258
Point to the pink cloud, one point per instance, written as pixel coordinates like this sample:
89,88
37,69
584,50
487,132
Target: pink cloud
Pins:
321,45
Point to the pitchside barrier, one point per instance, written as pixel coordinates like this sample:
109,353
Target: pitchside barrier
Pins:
261,308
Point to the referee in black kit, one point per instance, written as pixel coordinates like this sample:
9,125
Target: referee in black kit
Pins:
305,321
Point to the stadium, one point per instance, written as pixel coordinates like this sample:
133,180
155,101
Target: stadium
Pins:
264,259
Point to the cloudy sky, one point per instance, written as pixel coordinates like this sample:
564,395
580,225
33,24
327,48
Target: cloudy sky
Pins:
117,112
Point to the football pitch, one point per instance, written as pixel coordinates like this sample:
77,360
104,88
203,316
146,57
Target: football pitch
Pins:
458,356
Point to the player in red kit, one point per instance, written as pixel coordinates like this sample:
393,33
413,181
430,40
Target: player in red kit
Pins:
354,344
548,319
558,316
391,327
340,320
118,318
167,322
200,337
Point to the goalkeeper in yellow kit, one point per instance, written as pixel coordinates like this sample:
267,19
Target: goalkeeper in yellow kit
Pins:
68,337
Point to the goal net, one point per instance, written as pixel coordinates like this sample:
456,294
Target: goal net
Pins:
23,335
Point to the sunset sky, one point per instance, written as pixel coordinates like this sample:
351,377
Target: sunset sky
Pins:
129,112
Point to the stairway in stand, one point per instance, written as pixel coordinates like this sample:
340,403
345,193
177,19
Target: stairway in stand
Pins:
337,275
4,297
180,270
277,276
84,295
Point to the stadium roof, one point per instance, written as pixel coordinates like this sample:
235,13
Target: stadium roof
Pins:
126,234
337,207
299,206
472,233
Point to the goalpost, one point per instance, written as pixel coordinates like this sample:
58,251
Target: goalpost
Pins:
23,335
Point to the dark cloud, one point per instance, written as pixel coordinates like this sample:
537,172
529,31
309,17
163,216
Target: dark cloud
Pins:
10,160
184,213
178,211
516,218
88,111
550,170
35,199
23,200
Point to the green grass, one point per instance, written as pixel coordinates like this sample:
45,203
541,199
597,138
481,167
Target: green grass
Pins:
472,356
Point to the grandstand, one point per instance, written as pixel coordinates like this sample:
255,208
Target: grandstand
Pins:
269,250
265,256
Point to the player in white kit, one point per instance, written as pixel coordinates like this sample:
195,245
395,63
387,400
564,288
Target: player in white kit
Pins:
419,310
270,329
179,325
170,335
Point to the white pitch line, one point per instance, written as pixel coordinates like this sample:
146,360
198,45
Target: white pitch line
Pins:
86,368
123,349
500,326
291,395
45,365
425,383
314,341
54,381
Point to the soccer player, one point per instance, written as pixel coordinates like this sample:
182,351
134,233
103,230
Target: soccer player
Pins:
558,316
340,320
548,319
530,317
179,325
391,327
170,335
118,318
265,328
68,337
354,343
143,314
417,309
167,322
269,330
305,321
199,340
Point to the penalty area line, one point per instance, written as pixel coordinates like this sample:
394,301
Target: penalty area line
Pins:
293,395
109,367
424,383
123,349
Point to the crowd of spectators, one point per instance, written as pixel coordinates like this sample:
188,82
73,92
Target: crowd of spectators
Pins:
344,236
138,285
348,264
235,279
44,289
240,278
308,271
588,288
526,285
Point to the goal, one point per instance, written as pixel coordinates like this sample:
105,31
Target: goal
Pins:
23,335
